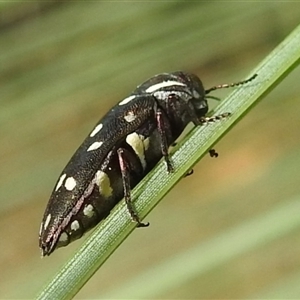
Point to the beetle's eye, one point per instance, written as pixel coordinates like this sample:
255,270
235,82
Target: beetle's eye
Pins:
200,106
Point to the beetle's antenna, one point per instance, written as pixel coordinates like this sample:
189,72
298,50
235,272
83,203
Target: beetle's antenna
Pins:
213,97
228,85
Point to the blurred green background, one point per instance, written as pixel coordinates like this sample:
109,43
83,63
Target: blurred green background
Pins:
232,230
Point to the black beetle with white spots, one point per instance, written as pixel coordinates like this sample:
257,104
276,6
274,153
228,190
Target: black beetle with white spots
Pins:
120,150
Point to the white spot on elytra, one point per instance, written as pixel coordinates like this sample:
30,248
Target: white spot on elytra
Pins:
96,130
47,221
60,181
75,225
89,211
70,183
95,146
130,117
136,143
163,84
41,228
146,142
103,181
64,238
126,100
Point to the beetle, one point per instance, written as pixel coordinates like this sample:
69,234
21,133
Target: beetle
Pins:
120,150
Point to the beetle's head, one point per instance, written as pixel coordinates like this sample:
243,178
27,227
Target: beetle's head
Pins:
184,98
198,101
180,94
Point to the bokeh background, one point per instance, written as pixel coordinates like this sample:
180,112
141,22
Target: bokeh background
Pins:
229,231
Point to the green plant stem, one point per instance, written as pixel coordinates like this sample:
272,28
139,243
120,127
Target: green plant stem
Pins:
112,231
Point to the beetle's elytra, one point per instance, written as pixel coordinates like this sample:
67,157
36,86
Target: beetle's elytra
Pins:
119,151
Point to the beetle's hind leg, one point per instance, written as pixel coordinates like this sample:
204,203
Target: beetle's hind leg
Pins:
126,167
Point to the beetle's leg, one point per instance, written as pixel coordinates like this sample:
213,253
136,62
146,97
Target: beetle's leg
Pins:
213,153
163,132
189,173
206,120
125,168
